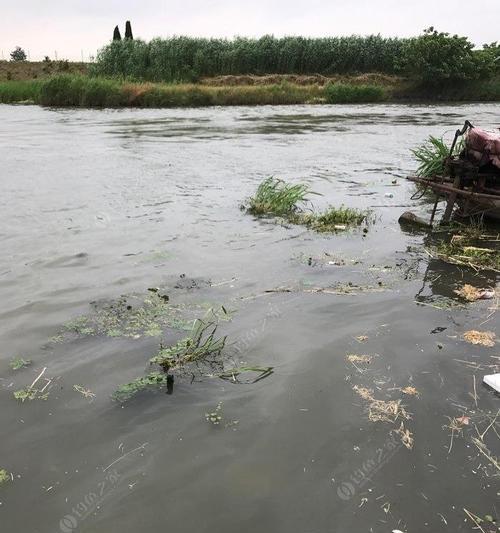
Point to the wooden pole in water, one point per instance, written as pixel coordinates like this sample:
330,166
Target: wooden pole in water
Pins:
451,201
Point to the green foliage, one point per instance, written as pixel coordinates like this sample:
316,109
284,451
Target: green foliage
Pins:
431,156
343,93
18,362
200,344
4,476
465,250
71,90
30,394
128,390
188,58
14,91
18,54
128,30
435,58
276,197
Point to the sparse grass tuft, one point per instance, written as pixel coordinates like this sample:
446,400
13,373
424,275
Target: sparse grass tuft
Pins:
276,197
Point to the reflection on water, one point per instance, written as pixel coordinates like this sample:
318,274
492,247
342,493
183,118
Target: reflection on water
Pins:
99,204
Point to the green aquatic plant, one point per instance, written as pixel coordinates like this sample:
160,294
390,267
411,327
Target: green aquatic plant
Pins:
152,380
470,247
30,394
18,362
332,219
4,476
276,197
198,346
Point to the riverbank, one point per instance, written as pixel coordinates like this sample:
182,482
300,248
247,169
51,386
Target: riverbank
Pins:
85,91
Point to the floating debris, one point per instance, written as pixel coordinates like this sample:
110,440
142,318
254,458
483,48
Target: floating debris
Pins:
493,381
4,476
410,391
471,294
152,380
134,316
33,393
18,363
484,338
406,436
215,417
382,410
87,393
355,358
234,374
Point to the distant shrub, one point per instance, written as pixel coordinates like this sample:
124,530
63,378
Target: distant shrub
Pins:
18,54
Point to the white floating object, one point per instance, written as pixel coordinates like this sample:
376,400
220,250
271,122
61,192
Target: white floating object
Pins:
493,380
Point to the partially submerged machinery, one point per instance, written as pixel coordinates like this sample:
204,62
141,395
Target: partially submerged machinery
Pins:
470,180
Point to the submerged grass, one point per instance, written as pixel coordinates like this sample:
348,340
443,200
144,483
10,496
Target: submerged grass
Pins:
275,197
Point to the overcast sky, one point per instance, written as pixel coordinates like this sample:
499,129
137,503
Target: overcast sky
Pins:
73,27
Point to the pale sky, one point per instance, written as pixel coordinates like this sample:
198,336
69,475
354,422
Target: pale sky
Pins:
73,27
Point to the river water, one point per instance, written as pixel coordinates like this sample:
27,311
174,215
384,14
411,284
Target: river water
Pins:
99,204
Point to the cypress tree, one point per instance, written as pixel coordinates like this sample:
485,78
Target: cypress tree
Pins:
116,34
128,30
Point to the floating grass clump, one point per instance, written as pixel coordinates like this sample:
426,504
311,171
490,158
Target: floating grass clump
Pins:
4,476
152,380
333,219
18,362
201,346
276,197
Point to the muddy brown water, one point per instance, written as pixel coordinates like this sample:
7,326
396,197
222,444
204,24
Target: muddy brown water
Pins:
98,204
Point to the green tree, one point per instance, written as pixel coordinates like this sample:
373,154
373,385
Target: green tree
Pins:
128,30
116,34
436,57
18,54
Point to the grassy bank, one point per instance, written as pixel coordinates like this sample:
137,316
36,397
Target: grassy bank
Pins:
85,91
